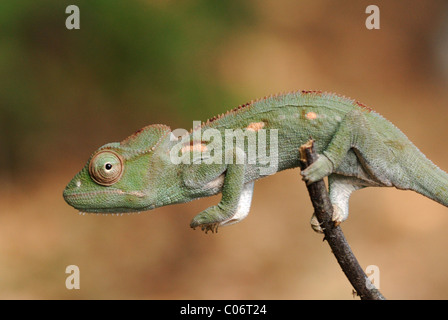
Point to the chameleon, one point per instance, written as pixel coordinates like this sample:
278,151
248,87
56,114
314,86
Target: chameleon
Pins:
356,146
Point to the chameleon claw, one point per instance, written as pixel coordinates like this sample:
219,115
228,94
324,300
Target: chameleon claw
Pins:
339,215
213,227
206,227
316,225
208,220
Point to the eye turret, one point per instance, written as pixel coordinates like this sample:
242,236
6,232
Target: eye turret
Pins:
106,167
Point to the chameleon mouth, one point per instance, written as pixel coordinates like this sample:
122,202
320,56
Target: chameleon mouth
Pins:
112,211
83,213
88,195
83,201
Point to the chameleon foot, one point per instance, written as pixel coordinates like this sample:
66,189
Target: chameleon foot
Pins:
316,225
208,220
317,170
338,217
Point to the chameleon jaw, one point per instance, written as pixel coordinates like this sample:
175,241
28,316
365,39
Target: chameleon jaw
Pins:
82,201
83,213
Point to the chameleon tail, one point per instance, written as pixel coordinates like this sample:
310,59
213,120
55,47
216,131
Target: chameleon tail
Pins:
428,179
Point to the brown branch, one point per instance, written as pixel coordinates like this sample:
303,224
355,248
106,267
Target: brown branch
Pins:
323,210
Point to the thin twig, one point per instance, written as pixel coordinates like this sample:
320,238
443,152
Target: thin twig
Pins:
323,210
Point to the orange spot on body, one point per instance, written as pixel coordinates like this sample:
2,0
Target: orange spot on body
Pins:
311,115
194,147
255,126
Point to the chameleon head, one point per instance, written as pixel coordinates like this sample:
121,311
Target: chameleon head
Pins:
101,185
118,178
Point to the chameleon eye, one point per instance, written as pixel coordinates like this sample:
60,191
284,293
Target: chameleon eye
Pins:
106,167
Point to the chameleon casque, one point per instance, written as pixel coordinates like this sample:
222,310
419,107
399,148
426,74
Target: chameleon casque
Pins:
357,148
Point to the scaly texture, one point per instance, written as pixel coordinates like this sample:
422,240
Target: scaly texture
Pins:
357,148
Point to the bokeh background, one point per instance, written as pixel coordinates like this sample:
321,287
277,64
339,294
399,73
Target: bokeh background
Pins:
63,93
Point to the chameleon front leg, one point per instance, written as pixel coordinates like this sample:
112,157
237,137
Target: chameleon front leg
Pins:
335,152
234,205
354,132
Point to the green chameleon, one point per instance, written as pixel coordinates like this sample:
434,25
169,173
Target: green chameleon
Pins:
153,167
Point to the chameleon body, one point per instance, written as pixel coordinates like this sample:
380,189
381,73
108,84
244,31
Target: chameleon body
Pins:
357,148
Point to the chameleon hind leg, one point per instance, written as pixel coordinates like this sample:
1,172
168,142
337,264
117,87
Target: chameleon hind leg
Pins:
340,189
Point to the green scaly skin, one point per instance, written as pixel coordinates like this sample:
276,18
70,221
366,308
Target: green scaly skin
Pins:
357,148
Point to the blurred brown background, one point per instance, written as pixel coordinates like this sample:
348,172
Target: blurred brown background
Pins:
63,93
